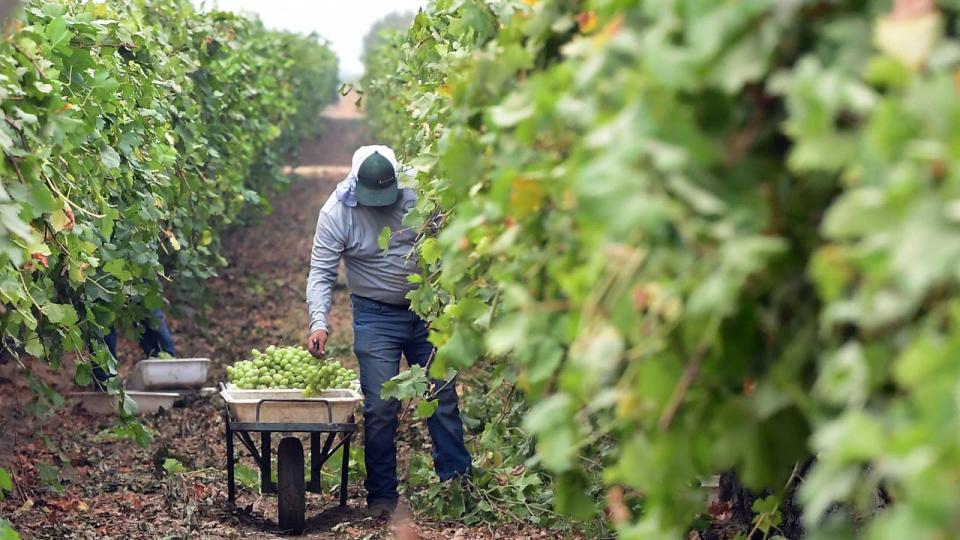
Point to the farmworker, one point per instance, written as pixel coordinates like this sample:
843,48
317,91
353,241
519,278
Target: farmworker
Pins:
155,339
348,228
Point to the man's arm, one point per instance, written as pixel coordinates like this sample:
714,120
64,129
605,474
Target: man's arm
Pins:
328,245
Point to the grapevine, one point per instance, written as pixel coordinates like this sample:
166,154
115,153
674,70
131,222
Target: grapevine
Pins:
134,133
698,236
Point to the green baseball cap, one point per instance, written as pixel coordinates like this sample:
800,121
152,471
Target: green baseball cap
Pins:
377,182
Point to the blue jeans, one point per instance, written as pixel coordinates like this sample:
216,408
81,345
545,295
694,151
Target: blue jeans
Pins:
381,333
156,338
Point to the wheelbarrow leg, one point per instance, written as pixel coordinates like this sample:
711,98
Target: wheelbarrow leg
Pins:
266,485
316,462
317,459
291,501
231,486
345,468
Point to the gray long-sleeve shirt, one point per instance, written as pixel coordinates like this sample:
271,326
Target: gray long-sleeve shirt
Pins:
352,233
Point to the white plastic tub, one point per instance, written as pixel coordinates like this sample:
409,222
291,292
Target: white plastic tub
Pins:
174,373
292,393
151,402
712,485
287,393
243,405
102,403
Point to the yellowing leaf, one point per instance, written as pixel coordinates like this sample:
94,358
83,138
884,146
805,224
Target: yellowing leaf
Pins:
608,31
77,271
58,220
908,39
174,243
526,196
587,21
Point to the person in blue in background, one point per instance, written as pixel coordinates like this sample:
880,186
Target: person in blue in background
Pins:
155,339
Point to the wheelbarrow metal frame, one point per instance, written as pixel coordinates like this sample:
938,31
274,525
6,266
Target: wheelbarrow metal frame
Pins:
262,455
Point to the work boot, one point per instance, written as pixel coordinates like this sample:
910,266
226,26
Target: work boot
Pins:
381,509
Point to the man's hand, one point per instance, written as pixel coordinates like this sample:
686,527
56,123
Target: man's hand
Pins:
317,344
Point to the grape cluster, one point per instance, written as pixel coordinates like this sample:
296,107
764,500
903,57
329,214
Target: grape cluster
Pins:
289,367
329,374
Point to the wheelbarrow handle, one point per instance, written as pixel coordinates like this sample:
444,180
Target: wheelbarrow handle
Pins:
301,401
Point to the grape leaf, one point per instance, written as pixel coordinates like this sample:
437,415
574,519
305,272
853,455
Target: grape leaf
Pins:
109,157
406,385
426,408
383,239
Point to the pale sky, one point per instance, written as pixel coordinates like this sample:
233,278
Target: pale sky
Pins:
342,22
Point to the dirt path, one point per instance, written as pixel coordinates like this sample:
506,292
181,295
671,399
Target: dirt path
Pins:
76,479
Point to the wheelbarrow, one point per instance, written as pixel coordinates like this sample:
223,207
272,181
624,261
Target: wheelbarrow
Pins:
248,412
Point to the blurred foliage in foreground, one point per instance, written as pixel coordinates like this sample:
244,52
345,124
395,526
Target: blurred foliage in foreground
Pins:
698,236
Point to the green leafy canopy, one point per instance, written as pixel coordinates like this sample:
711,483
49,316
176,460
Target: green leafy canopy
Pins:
134,133
698,236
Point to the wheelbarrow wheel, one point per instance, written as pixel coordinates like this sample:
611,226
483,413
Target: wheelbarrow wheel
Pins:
291,504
